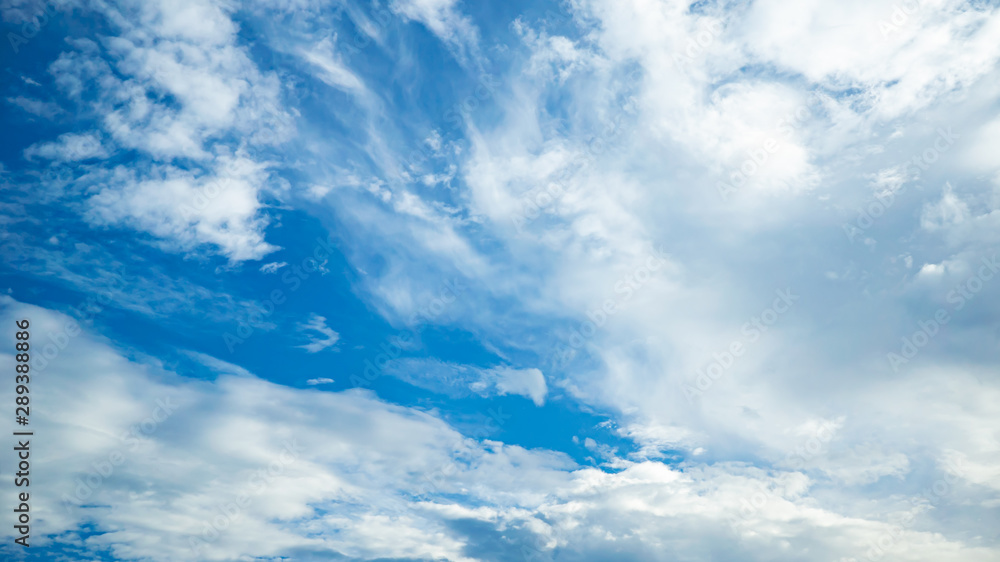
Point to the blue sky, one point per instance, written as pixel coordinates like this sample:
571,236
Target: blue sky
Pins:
456,280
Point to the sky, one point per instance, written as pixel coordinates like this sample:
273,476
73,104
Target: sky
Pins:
577,280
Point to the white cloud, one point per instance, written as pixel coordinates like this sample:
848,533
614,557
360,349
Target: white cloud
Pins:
445,20
106,281
949,211
458,380
272,267
218,365
333,71
68,147
220,105
321,380
505,380
326,338
671,133
40,108
254,468
186,210
668,135
941,45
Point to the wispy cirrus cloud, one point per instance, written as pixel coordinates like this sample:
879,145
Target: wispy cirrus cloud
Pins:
323,337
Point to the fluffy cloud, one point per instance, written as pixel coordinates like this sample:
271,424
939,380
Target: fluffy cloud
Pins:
221,104
812,125
68,148
526,382
463,380
186,210
615,225
239,466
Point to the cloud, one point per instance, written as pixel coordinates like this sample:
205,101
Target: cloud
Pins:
567,198
458,380
272,267
332,70
444,19
327,337
735,138
68,147
40,108
505,380
321,380
217,365
241,466
187,210
949,211
104,279
223,110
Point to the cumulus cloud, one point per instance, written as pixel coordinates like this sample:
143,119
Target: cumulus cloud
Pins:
68,147
243,467
186,210
221,104
505,380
